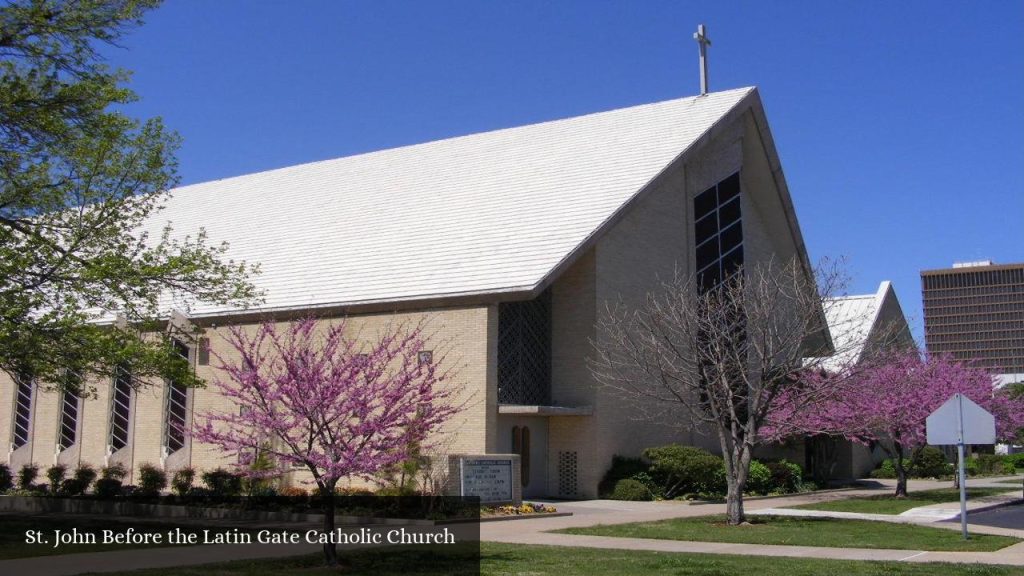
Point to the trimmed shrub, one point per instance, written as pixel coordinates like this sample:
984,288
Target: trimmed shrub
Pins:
1017,460
27,476
622,467
79,482
647,480
299,493
182,480
632,490
107,488
759,479
114,472
990,463
679,470
6,478
930,463
971,467
787,477
1005,468
223,484
151,480
885,470
55,474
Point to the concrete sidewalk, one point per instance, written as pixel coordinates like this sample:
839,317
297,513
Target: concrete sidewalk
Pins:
590,513
1013,556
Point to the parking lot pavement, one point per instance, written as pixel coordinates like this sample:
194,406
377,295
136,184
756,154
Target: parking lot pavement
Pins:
1011,517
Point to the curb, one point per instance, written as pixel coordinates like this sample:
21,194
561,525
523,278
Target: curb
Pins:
483,519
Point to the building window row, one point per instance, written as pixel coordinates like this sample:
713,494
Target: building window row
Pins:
968,331
969,328
1001,352
1010,293
969,279
122,396
1007,311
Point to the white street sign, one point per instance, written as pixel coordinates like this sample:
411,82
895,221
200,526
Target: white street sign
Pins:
944,425
960,421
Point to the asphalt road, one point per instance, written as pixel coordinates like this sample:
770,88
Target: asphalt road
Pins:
1005,517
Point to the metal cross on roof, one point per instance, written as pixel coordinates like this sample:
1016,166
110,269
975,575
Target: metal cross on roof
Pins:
701,36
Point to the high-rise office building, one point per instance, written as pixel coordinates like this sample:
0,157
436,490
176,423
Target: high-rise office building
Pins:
975,311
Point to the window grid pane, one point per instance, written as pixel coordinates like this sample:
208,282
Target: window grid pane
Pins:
22,413
120,408
69,407
718,232
176,408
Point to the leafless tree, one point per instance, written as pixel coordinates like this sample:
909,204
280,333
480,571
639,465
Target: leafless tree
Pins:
715,358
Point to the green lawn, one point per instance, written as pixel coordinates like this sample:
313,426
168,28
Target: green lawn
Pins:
512,559
889,504
796,531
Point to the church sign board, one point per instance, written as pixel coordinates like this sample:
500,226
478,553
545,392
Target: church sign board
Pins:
494,478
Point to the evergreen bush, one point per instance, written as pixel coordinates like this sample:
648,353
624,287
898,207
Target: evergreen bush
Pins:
632,490
151,480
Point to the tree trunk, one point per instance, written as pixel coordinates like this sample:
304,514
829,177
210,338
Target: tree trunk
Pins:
330,548
737,467
901,474
734,504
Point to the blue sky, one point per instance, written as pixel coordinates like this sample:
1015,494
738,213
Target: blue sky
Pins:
900,124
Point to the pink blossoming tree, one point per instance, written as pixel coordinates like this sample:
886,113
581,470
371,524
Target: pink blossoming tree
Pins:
310,397
887,401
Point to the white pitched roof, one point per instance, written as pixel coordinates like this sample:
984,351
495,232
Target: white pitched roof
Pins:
487,213
851,320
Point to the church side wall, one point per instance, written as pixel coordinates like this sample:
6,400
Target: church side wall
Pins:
466,336
653,241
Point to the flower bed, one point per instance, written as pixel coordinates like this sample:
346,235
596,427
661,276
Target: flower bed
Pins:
524,509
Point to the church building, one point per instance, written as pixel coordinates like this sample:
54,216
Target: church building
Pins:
509,243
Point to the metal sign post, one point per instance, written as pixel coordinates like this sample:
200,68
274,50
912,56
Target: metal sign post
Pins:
960,421
961,467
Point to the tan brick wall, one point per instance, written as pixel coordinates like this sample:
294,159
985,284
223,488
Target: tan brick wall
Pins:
95,422
44,429
652,242
645,248
462,334
467,334
574,311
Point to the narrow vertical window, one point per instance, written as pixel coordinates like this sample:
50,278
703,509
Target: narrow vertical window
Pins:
718,232
517,440
22,412
524,458
203,352
70,407
120,408
175,408
521,446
